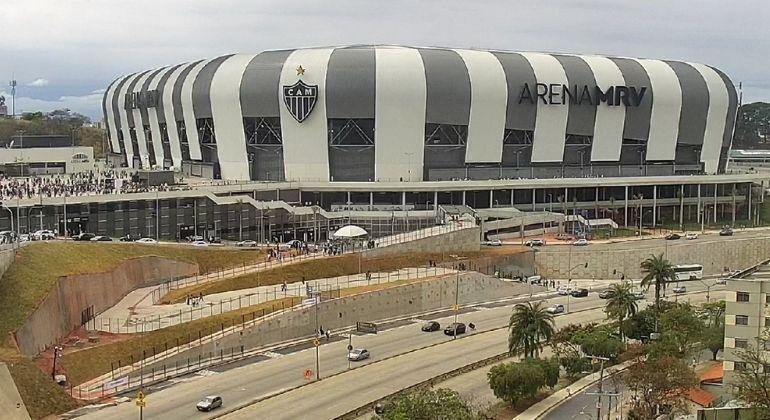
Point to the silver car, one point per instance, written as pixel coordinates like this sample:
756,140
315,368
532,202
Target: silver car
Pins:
358,354
555,309
209,403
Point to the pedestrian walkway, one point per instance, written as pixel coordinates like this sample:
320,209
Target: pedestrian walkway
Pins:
136,314
11,405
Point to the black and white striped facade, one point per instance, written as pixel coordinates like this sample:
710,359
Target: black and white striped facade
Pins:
389,113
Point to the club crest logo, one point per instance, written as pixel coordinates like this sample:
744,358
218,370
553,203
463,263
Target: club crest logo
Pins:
300,99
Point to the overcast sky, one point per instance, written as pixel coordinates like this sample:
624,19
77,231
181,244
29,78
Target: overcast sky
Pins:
65,52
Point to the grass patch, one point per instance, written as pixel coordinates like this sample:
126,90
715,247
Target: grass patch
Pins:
324,268
40,394
38,266
86,364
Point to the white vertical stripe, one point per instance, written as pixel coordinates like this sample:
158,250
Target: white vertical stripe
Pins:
111,118
608,127
716,118
123,115
666,109
141,139
305,144
551,122
191,128
489,97
399,123
168,113
152,113
228,117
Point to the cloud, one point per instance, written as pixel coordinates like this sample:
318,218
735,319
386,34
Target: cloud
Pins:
38,83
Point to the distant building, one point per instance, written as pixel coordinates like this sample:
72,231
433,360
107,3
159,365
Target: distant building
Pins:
29,141
45,160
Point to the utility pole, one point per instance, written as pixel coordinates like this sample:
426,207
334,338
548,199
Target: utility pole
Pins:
600,392
457,303
317,339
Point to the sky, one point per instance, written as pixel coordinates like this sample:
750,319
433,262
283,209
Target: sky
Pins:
64,53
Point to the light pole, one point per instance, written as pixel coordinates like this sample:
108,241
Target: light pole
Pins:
457,303
56,353
240,219
601,379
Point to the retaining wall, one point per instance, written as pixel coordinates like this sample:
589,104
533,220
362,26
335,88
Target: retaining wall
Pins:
463,240
345,312
61,311
607,261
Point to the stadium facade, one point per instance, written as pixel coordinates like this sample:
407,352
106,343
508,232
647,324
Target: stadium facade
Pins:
391,113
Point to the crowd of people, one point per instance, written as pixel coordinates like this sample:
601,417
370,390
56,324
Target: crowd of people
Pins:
93,182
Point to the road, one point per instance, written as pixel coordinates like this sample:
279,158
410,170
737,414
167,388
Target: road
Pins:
259,377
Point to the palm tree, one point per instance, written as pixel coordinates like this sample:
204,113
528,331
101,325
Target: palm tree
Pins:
531,326
659,272
621,304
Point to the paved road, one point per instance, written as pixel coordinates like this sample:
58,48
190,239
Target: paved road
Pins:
269,374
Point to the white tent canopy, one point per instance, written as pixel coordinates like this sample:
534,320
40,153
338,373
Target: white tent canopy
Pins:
349,231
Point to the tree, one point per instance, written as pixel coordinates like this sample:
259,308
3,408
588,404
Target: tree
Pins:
640,325
713,338
550,369
621,304
753,377
566,347
513,382
601,342
531,326
683,328
714,312
660,383
429,404
752,126
659,272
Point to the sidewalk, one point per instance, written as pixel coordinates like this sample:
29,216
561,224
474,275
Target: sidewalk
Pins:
542,408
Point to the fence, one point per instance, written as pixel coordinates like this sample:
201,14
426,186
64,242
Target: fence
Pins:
422,233
329,286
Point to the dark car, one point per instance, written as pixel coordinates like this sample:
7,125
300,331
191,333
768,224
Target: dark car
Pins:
455,328
726,231
101,238
672,236
606,294
579,293
84,237
431,326
127,238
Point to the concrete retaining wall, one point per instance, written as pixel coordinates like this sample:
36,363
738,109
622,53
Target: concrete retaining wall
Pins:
606,261
464,240
345,312
61,311
7,255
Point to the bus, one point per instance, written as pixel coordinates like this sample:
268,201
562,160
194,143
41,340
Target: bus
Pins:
686,272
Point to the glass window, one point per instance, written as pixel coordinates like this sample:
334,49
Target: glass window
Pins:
741,320
767,298
742,297
741,343
740,366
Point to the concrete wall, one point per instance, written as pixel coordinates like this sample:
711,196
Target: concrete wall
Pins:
7,255
464,240
610,261
60,312
345,312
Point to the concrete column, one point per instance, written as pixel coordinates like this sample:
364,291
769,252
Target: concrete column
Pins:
681,207
534,199
654,205
435,200
299,191
491,199
749,213
715,202
348,200
403,198
278,194
625,209
512,197
463,197
698,212
371,200
733,205
566,200
596,203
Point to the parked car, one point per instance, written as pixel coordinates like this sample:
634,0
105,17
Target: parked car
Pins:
127,238
247,243
579,293
209,403
606,294
455,328
431,326
200,243
358,354
673,236
83,236
493,242
146,241
721,280
535,242
43,235
563,236
726,231
690,236
680,289
563,291
639,295
101,238
193,238
535,279
555,309
580,242
292,244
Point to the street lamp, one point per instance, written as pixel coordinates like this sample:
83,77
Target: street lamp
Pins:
56,354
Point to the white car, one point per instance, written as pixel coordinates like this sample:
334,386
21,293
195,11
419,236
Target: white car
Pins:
680,289
247,243
358,354
563,291
580,242
535,242
691,236
200,243
146,241
639,295
555,309
494,242
43,235
721,280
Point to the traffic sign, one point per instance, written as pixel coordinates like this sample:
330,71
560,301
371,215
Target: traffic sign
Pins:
456,307
316,342
141,403
140,395
350,347
308,374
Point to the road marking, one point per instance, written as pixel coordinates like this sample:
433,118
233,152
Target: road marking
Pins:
273,355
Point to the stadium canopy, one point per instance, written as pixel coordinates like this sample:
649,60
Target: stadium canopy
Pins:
349,231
